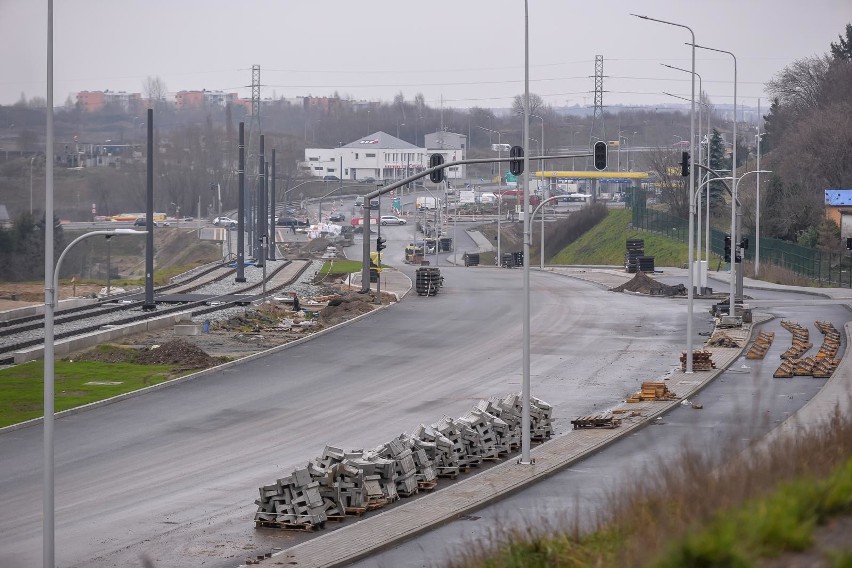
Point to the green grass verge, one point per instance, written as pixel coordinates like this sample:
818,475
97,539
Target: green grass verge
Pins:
605,244
75,384
782,522
340,267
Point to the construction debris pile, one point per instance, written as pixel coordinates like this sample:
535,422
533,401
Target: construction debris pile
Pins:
701,360
652,390
761,345
722,339
820,366
644,284
352,482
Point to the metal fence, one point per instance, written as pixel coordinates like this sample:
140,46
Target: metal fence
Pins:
825,267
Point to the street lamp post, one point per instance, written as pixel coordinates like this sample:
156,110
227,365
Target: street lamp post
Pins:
540,205
51,299
31,184
690,276
732,299
757,137
499,147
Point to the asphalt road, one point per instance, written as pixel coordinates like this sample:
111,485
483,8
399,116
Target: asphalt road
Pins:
739,406
173,474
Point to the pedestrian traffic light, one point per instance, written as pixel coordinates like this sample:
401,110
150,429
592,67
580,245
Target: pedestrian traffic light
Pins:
744,243
600,155
380,244
848,243
684,164
438,175
727,248
516,164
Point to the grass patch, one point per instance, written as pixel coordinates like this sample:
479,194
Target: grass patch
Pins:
23,385
605,244
339,267
782,506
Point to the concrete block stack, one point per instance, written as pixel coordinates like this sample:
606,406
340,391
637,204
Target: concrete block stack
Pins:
452,431
293,501
352,482
505,439
483,424
405,468
541,419
443,454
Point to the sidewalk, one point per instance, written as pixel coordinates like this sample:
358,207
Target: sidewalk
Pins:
368,535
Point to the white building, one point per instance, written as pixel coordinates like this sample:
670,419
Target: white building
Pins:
384,157
453,147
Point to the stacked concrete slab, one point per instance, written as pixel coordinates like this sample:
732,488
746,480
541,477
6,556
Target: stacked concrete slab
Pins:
351,482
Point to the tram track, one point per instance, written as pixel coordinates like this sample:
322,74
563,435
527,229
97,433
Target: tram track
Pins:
210,304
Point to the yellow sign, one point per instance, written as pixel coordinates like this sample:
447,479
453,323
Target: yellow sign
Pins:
376,261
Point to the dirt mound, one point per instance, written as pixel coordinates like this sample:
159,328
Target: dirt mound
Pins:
173,352
177,352
644,284
346,307
109,354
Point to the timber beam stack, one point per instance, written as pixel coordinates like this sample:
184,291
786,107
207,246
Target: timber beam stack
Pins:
801,340
761,345
652,390
701,361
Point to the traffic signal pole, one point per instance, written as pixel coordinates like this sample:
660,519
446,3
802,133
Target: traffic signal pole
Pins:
365,251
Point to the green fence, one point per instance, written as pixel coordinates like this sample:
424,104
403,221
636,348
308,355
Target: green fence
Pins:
825,267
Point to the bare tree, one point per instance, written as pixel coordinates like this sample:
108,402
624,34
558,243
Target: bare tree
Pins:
154,89
536,104
673,187
798,86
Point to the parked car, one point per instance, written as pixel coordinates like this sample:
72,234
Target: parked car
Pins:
368,180
330,178
291,222
142,222
392,220
336,217
223,221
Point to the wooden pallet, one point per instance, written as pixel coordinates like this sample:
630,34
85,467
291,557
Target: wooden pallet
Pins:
303,527
599,421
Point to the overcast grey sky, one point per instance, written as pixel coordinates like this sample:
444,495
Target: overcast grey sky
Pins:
470,52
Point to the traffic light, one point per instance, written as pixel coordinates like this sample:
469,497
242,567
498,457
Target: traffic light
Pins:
438,175
516,165
684,164
848,243
380,244
744,243
727,248
600,155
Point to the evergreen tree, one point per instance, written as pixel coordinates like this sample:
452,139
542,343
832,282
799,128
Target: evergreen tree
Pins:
842,50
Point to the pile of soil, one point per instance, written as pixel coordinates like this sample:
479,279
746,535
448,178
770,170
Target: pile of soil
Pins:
173,352
177,352
346,307
644,284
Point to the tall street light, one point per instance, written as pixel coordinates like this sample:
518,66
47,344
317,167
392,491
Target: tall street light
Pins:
51,299
525,390
732,299
707,159
690,277
48,513
499,148
757,138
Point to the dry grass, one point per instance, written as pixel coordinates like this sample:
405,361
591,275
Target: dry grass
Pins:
778,275
689,512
